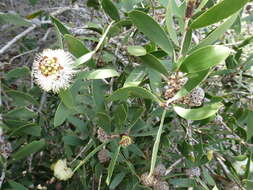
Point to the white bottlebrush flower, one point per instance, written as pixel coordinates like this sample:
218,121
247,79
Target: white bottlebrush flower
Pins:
240,166
61,170
53,69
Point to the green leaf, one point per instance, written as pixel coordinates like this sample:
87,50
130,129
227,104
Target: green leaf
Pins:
182,182
124,93
156,144
136,50
218,12
117,180
135,77
170,23
18,73
60,114
250,125
98,92
83,59
194,80
16,185
29,149
198,113
151,29
204,58
110,9
218,32
89,55
59,25
21,98
9,18
30,129
75,46
33,2
104,121
154,63
22,113
67,98
112,165
155,81
102,74
72,140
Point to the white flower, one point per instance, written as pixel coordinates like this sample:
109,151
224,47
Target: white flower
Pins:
53,69
240,166
61,171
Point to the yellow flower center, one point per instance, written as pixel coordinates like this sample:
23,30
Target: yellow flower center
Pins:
49,66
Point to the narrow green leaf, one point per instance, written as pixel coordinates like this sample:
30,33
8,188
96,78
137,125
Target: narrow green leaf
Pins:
156,145
112,165
218,12
218,32
30,129
170,23
110,9
18,72
250,125
155,81
75,46
204,58
135,77
29,149
24,98
198,113
22,113
16,185
59,25
124,93
86,57
60,115
136,50
151,29
67,98
154,63
9,18
194,80
117,180
102,74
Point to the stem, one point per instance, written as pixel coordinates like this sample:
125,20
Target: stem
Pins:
156,144
183,37
82,162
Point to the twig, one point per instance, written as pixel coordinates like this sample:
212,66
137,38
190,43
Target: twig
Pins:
28,30
14,40
173,165
3,174
42,101
27,52
99,182
82,151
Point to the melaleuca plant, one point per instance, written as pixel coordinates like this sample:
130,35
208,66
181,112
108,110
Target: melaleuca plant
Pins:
143,95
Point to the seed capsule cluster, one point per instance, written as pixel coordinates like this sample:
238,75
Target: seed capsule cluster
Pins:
102,135
195,98
5,146
103,156
155,180
49,66
175,83
193,172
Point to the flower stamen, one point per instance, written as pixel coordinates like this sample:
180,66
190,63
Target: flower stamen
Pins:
49,66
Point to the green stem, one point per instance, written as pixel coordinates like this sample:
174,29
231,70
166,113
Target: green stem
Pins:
156,144
92,153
